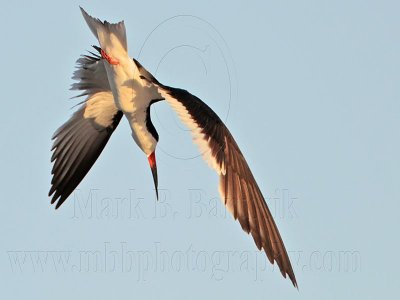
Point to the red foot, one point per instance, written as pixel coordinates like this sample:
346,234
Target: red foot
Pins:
108,58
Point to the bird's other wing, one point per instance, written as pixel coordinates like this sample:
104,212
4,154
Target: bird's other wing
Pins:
79,142
237,186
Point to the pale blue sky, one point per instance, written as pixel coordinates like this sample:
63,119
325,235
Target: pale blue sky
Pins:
310,90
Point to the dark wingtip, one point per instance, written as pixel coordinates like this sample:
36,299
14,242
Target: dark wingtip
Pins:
291,277
59,202
294,282
97,48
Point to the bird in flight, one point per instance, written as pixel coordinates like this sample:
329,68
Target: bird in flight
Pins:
116,85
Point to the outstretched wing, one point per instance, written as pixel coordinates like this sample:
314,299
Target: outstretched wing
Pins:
79,142
237,186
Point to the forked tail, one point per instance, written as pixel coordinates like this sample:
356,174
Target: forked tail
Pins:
112,37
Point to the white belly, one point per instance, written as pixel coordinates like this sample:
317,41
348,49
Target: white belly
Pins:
123,85
132,99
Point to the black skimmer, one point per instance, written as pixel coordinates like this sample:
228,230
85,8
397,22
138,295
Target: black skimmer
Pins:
116,85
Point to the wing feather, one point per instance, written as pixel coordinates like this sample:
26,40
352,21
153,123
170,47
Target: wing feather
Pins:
79,142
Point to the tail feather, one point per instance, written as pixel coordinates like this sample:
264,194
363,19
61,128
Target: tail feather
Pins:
111,36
